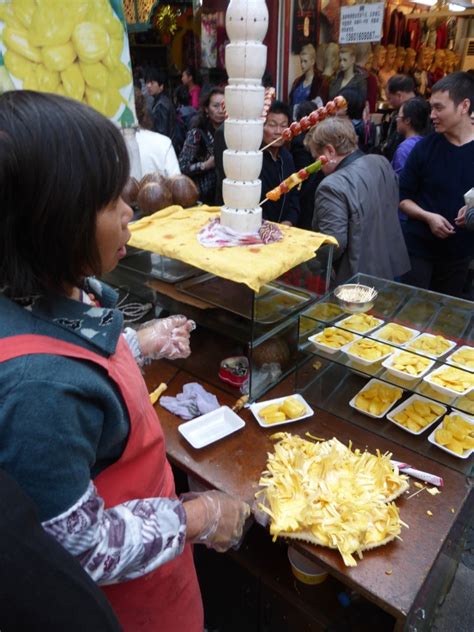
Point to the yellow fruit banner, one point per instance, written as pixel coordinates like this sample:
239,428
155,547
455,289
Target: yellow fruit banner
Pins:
76,48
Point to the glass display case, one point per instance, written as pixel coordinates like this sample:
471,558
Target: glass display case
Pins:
437,333
246,341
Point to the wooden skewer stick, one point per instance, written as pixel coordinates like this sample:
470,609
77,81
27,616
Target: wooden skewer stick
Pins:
263,201
272,143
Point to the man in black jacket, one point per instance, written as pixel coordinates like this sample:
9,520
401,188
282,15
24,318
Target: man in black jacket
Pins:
400,88
278,164
163,111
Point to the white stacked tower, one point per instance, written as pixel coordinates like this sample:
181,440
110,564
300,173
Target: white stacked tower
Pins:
245,59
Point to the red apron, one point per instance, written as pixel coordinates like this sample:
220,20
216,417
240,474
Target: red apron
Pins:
168,599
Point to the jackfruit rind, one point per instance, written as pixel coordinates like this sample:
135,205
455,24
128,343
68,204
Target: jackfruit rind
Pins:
331,495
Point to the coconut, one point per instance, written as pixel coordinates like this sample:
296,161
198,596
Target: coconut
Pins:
184,190
130,192
155,176
272,350
153,197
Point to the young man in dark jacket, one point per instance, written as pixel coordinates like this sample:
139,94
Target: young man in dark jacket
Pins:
277,165
163,111
437,174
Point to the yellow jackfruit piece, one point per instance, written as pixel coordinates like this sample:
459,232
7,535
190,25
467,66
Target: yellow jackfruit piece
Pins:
120,76
17,40
102,13
58,58
443,436
293,408
24,10
73,82
268,410
276,417
48,80
8,16
91,42
52,24
95,75
113,56
17,65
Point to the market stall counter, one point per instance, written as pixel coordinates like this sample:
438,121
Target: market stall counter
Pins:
404,578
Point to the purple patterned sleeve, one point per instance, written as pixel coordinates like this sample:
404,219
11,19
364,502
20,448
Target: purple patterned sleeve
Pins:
123,542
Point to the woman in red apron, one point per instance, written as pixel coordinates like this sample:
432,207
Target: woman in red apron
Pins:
72,391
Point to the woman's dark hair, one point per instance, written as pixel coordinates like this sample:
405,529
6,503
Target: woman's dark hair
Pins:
143,116
61,162
355,103
200,120
417,110
193,73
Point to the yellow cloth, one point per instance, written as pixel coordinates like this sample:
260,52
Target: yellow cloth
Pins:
173,231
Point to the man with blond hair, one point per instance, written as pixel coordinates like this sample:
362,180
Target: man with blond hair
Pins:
357,203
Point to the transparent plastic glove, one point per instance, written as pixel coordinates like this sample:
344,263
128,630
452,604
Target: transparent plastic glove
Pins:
220,517
259,505
165,338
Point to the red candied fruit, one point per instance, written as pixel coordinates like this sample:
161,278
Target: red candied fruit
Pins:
295,128
305,123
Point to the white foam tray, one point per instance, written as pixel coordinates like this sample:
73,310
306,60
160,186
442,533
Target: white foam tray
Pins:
256,407
206,429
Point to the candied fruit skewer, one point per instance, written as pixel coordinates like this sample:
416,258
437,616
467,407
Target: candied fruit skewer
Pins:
294,180
297,127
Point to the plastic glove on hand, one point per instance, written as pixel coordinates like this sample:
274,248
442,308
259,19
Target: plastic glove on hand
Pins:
165,337
221,519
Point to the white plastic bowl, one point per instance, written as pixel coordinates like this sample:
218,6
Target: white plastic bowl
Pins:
366,387
387,363
431,438
444,389
405,404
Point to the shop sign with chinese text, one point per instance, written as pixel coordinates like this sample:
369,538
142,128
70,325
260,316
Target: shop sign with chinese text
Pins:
361,23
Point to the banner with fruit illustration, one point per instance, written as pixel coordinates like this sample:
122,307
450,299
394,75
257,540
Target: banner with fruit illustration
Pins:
76,48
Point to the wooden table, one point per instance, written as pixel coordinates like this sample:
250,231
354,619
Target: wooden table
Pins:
397,577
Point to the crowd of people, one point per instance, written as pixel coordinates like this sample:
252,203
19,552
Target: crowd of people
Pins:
394,189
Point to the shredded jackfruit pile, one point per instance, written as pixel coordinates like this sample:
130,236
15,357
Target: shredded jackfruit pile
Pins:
328,494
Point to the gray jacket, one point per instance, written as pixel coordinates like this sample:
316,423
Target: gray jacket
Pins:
358,205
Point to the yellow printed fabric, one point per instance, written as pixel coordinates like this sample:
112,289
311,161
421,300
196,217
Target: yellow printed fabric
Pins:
173,233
